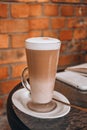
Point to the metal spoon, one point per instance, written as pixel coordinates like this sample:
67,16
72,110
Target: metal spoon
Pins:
71,105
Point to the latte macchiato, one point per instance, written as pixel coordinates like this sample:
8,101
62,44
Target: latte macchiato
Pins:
42,59
42,69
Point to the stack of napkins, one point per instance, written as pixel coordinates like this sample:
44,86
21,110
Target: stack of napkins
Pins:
75,76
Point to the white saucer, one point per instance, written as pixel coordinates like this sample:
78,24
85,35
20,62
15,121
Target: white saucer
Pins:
21,97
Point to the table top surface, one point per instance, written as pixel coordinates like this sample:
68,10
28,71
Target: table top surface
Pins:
74,120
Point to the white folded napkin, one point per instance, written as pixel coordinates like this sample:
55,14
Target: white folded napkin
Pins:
73,78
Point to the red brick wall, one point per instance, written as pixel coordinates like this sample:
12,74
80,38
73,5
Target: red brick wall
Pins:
20,19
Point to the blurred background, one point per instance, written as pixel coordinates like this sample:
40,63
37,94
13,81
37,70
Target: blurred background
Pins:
21,19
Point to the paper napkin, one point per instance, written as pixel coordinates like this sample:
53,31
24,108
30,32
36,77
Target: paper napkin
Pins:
74,78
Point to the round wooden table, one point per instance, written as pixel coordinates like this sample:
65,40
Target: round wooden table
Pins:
74,120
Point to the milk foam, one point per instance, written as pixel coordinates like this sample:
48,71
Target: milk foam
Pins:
42,43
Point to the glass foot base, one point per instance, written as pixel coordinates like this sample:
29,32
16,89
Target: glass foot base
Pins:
42,107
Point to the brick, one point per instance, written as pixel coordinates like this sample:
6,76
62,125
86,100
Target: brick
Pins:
81,11
85,58
69,59
80,34
84,1
12,56
20,1
35,10
26,10
7,86
4,41
17,69
66,35
84,45
1,104
73,46
4,72
82,55
50,33
39,23
14,26
3,10
71,22
20,10
35,33
67,10
50,10
18,40
77,22
63,48
58,23
5,97
42,1
67,1
29,1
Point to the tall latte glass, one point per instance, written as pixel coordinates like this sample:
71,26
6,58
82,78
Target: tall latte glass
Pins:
42,58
